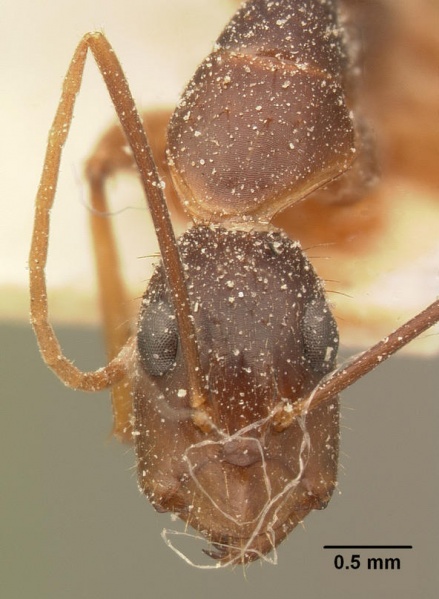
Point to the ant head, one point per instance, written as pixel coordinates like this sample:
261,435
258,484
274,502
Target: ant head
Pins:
265,337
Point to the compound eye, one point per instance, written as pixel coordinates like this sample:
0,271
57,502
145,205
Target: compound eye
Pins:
157,338
320,336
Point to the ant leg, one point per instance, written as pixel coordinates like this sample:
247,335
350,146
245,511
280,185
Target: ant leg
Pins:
108,158
104,162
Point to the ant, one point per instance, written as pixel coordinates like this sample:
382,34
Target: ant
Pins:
229,386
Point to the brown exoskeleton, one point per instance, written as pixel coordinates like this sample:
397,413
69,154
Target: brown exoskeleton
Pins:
229,386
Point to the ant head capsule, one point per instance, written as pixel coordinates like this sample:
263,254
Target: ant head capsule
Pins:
265,336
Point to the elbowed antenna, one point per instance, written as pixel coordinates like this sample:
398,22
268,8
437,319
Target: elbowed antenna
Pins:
120,94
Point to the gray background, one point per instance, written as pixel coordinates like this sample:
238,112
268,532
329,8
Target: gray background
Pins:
73,524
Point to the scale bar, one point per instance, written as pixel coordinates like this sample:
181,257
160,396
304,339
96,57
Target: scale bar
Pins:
367,546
